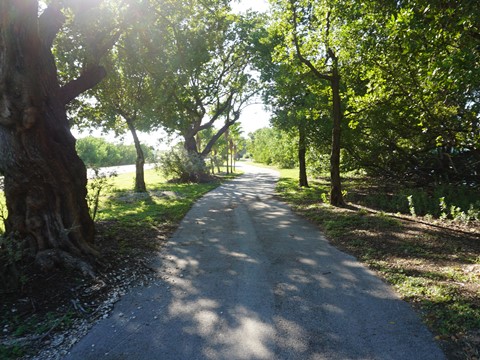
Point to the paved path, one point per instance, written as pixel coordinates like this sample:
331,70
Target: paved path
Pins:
244,278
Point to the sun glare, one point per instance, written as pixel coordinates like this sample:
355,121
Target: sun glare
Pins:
255,5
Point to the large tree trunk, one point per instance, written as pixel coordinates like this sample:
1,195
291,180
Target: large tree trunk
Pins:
140,161
302,151
336,197
45,180
201,175
190,144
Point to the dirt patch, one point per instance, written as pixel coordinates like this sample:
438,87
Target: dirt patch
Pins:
41,324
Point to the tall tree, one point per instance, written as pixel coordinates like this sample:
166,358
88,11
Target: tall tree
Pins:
331,74
307,27
45,180
124,100
207,56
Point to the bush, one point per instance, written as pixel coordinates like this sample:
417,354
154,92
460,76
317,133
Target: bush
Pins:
178,164
318,164
96,187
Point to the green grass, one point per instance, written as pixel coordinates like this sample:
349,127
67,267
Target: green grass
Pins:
140,216
163,202
429,265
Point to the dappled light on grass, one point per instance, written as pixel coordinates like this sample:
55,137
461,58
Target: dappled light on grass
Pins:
162,202
433,266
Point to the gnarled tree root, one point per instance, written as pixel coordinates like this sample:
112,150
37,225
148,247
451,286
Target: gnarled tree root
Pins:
53,258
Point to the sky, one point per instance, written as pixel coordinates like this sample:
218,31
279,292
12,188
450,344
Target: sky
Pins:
256,5
253,117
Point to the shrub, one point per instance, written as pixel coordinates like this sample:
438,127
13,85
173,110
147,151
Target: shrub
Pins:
96,186
178,164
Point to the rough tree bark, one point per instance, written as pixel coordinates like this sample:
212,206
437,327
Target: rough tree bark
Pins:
190,144
201,172
45,180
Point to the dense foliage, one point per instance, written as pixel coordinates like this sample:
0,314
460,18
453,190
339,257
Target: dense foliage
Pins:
409,75
273,147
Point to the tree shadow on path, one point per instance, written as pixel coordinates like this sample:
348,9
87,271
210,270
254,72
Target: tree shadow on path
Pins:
244,278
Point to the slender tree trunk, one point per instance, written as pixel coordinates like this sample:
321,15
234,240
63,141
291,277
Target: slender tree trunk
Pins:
234,158
228,157
336,197
231,157
218,157
45,180
140,161
302,150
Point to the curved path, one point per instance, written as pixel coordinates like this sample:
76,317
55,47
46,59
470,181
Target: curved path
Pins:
245,278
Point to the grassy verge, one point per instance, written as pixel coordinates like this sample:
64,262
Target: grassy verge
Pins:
139,220
434,266
130,228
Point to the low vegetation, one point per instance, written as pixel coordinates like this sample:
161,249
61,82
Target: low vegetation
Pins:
427,247
130,227
98,152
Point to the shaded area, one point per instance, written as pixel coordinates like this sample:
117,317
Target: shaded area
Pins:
243,278
435,266
52,308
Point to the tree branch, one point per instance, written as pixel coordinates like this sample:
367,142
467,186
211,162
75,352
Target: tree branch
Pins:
219,111
296,42
101,45
49,24
87,80
213,140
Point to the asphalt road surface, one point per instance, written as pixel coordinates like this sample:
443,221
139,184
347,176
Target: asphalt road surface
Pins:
245,278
